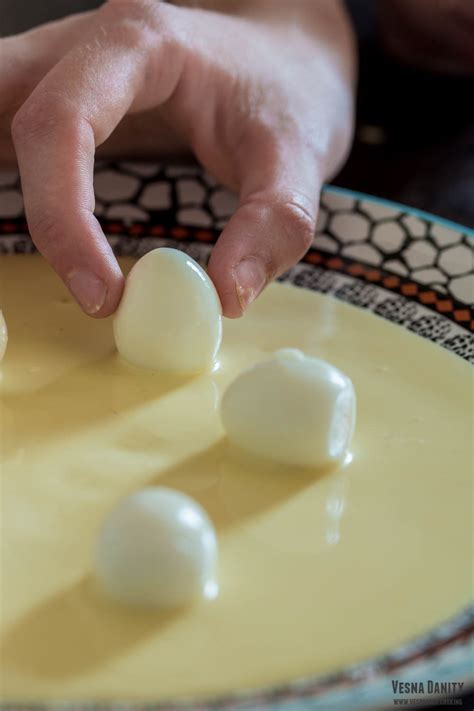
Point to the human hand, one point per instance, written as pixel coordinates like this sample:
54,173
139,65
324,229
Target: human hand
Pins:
265,106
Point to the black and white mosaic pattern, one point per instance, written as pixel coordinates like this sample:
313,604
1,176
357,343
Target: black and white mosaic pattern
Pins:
430,252
385,236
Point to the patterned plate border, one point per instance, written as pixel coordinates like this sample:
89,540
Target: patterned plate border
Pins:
426,309
450,308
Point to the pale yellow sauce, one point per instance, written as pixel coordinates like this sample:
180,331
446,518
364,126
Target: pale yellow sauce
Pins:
316,571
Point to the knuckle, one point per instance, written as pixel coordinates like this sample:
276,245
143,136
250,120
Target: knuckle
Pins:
298,221
45,230
264,108
23,124
40,116
138,21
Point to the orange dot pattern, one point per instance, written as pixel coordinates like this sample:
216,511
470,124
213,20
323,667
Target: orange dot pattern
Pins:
425,295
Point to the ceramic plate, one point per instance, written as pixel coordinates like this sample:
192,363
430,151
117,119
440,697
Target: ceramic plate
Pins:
405,265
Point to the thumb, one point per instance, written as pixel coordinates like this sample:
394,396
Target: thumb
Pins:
273,227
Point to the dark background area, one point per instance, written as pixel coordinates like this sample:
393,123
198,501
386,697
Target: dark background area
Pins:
414,138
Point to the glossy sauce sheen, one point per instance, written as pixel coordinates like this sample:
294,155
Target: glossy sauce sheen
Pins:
316,570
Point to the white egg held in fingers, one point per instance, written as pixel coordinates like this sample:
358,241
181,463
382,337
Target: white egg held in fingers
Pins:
294,409
170,315
157,548
3,335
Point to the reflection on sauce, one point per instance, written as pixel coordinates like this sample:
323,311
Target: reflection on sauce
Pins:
335,505
381,544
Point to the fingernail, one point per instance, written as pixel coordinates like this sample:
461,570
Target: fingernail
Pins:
88,290
250,277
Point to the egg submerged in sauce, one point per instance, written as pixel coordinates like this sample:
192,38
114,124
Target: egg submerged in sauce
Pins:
157,548
294,409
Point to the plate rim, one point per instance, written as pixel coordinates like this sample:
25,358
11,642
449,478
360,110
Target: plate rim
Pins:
402,207
313,689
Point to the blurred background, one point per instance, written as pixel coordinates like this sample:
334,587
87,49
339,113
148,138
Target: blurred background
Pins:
414,140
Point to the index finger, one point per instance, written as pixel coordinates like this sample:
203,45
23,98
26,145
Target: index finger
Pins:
127,61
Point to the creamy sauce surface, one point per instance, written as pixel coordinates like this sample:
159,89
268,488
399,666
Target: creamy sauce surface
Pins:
317,570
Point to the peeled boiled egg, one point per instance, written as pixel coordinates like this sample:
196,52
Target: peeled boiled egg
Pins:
170,314
3,335
293,408
157,548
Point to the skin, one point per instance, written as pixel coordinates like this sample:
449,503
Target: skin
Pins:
260,91
264,105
